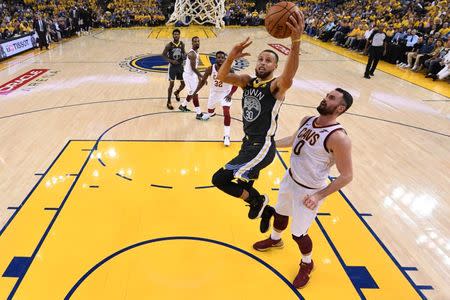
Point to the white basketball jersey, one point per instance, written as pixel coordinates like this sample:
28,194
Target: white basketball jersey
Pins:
187,64
217,85
310,160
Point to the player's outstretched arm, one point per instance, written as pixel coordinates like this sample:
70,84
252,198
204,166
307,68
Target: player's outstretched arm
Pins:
284,81
289,140
224,74
339,143
204,78
285,142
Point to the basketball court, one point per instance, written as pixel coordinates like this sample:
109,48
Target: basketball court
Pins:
106,194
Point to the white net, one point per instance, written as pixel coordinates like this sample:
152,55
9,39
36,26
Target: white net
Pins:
199,11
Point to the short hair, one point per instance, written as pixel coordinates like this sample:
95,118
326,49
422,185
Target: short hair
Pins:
221,52
273,52
348,99
176,30
194,37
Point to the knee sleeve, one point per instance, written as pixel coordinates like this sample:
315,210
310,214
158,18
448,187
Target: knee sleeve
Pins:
304,243
195,100
280,222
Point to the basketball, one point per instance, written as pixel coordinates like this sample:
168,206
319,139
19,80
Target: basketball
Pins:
277,17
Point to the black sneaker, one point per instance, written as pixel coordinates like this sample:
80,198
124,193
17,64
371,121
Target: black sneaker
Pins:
257,205
184,108
177,95
267,214
199,116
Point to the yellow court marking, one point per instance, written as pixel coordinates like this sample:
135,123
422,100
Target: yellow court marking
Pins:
116,234
24,233
165,32
440,87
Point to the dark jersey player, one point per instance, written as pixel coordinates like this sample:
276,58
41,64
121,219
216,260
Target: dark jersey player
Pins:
261,101
174,53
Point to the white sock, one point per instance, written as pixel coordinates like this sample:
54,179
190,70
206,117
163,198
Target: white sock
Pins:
275,235
226,130
198,110
184,103
306,258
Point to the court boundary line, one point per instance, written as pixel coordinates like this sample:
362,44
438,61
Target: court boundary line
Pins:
220,243
50,225
203,98
33,189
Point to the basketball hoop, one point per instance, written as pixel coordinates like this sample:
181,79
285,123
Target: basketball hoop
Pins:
199,11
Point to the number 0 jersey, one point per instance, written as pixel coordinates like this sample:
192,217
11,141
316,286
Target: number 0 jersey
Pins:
310,159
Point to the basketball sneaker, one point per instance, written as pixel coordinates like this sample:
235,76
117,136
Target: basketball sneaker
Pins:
267,214
199,116
226,141
257,205
205,117
177,95
302,277
268,244
183,108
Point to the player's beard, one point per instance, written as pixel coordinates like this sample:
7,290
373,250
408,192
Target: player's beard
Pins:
324,110
262,74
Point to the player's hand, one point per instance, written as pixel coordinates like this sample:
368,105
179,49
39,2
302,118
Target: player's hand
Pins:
296,24
237,51
311,201
228,98
175,62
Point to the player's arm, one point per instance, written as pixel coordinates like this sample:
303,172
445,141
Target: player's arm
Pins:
289,140
166,57
339,143
191,57
204,78
224,73
183,50
230,94
285,142
284,81
232,91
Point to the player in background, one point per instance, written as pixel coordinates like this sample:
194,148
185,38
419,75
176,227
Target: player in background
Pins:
174,53
219,93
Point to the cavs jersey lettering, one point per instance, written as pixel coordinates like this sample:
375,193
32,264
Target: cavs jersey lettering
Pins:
310,159
219,86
